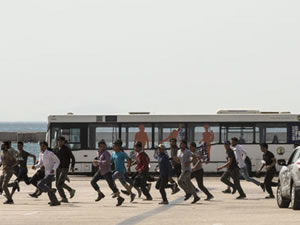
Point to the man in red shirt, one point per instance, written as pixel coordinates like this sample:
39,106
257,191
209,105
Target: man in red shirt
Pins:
142,169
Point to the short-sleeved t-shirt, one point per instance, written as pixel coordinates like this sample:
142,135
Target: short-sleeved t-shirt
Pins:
231,155
118,159
268,156
185,157
22,158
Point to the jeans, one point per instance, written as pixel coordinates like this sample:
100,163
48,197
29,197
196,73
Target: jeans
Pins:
61,176
234,174
119,176
268,181
198,175
244,173
4,180
45,185
109,179
186,184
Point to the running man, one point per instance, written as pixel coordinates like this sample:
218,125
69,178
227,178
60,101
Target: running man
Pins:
118,158
51,162
8,161
104,163
185,157
232,171
197,171
65,156
241,155
142,137
142,168
165,171
21,169
270,164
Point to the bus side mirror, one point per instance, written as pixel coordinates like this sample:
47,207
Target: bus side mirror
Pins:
281,162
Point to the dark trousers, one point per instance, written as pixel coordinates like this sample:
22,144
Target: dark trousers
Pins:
198,175
45,185
234,174
21,174
39,175
141,181
61,176
109,179
161,185
177,170
268,181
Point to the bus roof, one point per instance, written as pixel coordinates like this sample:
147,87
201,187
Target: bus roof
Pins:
176,118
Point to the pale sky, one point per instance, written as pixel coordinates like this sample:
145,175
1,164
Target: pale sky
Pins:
161,56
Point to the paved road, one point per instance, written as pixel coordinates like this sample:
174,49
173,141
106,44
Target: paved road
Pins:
223,210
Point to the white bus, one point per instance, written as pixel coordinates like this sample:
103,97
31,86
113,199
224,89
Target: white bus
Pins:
280,130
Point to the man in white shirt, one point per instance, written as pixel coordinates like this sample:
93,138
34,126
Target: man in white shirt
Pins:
240,155
51,162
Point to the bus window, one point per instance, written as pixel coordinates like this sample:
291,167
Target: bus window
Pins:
169,132
206,134
276,135
72,136
141,133
245,135
109,134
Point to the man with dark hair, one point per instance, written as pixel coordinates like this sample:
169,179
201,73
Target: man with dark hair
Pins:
21,169
270,164
65,156
198,172
118,158
103,161
185,157
232,171
142,169
8,161
174,151
241,155
50,162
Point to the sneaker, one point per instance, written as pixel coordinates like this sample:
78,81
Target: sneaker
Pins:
196,199
164,203
64,200
175,189
241,197
227,191
263,187
100,196
72,193
55,203
8,202
132,197
120,201
187,197
33,195
125,192
114,196
270,197
148,199
209,198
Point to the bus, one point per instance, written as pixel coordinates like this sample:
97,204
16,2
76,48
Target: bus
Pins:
281,130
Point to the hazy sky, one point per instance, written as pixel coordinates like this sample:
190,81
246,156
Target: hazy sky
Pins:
162,56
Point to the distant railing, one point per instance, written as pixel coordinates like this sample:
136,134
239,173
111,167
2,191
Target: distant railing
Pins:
23,136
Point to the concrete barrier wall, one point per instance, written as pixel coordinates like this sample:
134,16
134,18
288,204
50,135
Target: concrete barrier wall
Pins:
25,137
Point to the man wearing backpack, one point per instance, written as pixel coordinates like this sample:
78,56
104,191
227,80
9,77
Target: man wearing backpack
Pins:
143,170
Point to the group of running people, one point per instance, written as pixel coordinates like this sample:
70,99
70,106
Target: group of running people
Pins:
185,163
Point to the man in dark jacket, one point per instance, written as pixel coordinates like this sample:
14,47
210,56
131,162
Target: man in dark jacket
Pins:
165,171
65,156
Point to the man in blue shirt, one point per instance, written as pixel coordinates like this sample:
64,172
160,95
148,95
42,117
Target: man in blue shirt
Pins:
119,157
